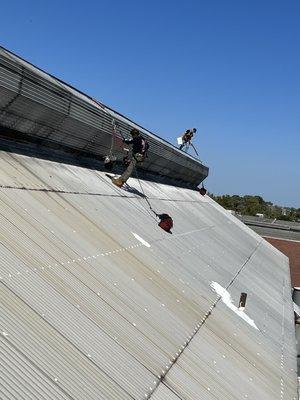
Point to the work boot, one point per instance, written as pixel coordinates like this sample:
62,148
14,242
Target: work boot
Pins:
117,181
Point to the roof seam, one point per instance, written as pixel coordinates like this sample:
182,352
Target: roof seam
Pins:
199,325
92,194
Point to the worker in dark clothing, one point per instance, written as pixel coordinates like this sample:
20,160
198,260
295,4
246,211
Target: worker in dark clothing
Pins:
138,154
166,222
187,137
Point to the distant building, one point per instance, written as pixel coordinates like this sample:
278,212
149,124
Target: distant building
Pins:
259,215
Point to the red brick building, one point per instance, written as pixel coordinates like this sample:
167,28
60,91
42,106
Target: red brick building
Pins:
292,250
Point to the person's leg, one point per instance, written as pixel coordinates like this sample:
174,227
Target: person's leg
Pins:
182,145
127,173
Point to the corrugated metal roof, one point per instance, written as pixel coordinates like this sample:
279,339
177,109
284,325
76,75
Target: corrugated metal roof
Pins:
88,310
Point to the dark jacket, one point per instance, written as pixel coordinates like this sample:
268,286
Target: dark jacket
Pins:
137,144
187,136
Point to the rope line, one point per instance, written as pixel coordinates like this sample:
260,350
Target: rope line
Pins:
145,197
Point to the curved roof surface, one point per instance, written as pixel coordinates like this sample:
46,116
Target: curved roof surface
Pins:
44,109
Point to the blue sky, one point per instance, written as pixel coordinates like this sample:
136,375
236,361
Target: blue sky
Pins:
229,68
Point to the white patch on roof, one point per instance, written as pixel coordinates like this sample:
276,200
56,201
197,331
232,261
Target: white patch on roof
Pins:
227,300
141,239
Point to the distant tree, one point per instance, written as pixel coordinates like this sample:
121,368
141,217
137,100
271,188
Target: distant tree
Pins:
252,205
